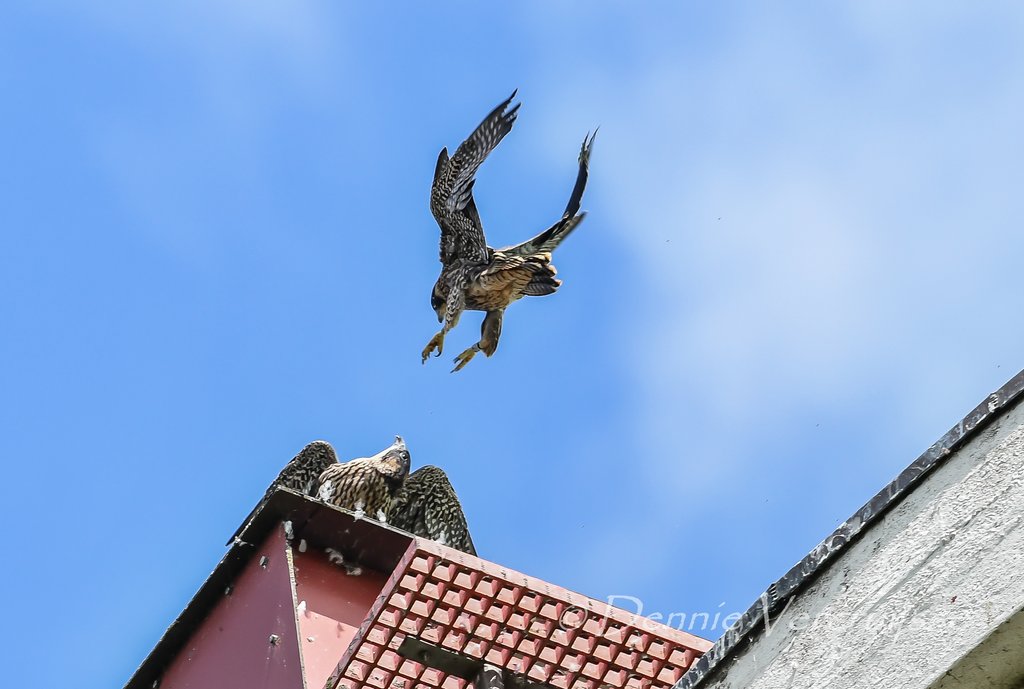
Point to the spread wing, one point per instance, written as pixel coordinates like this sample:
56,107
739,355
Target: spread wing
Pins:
427,506
451,195
550,238
300,474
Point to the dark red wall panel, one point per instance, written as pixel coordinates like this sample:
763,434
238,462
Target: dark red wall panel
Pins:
232,647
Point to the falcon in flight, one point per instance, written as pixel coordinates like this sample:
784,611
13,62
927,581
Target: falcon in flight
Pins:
366,485
473,275
301,474
427,506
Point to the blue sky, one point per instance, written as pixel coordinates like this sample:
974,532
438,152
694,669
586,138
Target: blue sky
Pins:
799,269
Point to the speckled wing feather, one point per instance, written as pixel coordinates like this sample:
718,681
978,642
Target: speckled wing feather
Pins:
451,195
300,474
550,238
366,484
427,506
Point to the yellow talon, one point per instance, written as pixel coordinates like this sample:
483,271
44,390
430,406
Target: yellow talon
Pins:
436,342
465,357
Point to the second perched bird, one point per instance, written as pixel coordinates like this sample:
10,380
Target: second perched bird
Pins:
367,485
473,275
427,506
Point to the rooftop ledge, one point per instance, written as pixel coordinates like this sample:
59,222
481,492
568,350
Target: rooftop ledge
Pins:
311,596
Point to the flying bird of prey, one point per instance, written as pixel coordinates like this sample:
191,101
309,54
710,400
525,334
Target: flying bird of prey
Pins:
301,474
473,275
427,506
367,485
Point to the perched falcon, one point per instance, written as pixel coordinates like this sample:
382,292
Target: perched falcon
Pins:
302,474
473,275
367,485
427,506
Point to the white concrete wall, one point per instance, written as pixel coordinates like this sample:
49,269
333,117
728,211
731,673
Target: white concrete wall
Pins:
997,663
921,589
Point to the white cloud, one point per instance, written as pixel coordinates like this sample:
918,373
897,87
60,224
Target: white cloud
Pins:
814,208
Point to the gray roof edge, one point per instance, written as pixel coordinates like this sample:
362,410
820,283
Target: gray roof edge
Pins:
819,559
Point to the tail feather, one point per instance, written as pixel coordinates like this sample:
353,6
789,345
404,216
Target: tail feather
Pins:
543,281
540,288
